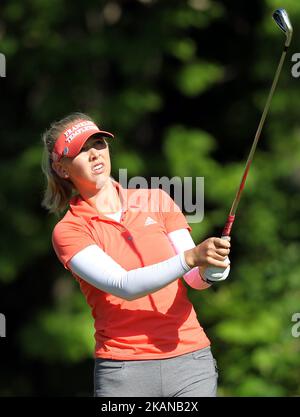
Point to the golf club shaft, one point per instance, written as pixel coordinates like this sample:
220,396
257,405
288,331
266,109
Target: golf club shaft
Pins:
231,216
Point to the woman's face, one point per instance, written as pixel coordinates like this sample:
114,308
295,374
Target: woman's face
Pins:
91,168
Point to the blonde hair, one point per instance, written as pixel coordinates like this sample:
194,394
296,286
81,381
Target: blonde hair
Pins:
58,190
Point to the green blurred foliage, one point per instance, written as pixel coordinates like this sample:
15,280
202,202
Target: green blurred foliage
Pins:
182,84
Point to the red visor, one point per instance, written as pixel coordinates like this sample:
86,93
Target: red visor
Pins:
70,142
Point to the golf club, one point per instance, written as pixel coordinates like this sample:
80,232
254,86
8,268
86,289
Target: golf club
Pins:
282,20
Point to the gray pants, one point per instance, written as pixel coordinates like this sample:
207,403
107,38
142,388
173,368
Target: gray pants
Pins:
191,375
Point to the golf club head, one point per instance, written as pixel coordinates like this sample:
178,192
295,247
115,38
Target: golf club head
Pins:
282,20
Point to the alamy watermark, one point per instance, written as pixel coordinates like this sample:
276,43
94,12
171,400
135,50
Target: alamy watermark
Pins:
296,326
186,192
2,66
296,67
2,325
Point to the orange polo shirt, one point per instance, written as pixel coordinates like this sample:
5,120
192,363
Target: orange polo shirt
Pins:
160,325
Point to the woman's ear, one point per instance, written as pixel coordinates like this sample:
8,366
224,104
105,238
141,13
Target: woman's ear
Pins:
60,170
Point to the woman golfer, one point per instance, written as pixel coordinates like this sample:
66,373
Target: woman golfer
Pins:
128,249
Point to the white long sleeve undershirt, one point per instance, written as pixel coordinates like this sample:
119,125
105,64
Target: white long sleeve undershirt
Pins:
99,269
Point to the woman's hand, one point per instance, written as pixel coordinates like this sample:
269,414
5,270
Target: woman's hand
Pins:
211,252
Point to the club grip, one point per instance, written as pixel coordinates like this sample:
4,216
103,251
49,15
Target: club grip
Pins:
228,225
